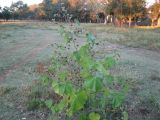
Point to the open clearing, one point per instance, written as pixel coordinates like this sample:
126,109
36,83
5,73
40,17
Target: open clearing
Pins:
25,45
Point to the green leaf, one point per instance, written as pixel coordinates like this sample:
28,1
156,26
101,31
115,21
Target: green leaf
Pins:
63,75
125,115
77,102
49,103
76,55
61,105
91,38
62,88
94,116
108,80
94,84
82,117
53,109
85,73
45,79
106,92
101,68
67,37
84,51
83,57
118,99
109,62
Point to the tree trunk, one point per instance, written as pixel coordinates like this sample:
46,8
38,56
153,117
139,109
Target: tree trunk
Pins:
158,22
130,21
152,22
106,19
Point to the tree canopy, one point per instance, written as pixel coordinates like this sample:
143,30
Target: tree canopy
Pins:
126,8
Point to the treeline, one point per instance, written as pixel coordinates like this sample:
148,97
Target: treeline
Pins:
122,11
17,10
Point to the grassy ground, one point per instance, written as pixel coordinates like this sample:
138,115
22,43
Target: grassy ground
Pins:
26,46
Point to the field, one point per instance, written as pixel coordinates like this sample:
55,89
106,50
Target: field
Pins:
26,46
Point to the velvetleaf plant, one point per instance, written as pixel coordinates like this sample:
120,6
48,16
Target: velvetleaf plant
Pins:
86,88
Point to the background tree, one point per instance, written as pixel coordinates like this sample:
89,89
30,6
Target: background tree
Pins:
154,11
6,13
129,9
115,8
19,10
1,12
39,12
48,8
134,8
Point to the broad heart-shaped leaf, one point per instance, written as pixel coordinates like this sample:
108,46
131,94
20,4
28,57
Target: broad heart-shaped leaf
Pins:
83,57
77,102
63,88
91,38
84,50
94,116
62,75
86,60
94,84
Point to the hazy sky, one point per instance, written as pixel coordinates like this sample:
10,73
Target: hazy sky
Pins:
9,2
29,2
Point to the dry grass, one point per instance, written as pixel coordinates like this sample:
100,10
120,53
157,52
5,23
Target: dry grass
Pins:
148,27
134,37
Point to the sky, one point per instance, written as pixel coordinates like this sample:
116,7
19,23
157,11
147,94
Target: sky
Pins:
9,2
30,2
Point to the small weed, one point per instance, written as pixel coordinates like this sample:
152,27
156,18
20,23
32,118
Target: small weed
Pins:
5,90
38,95
34,104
